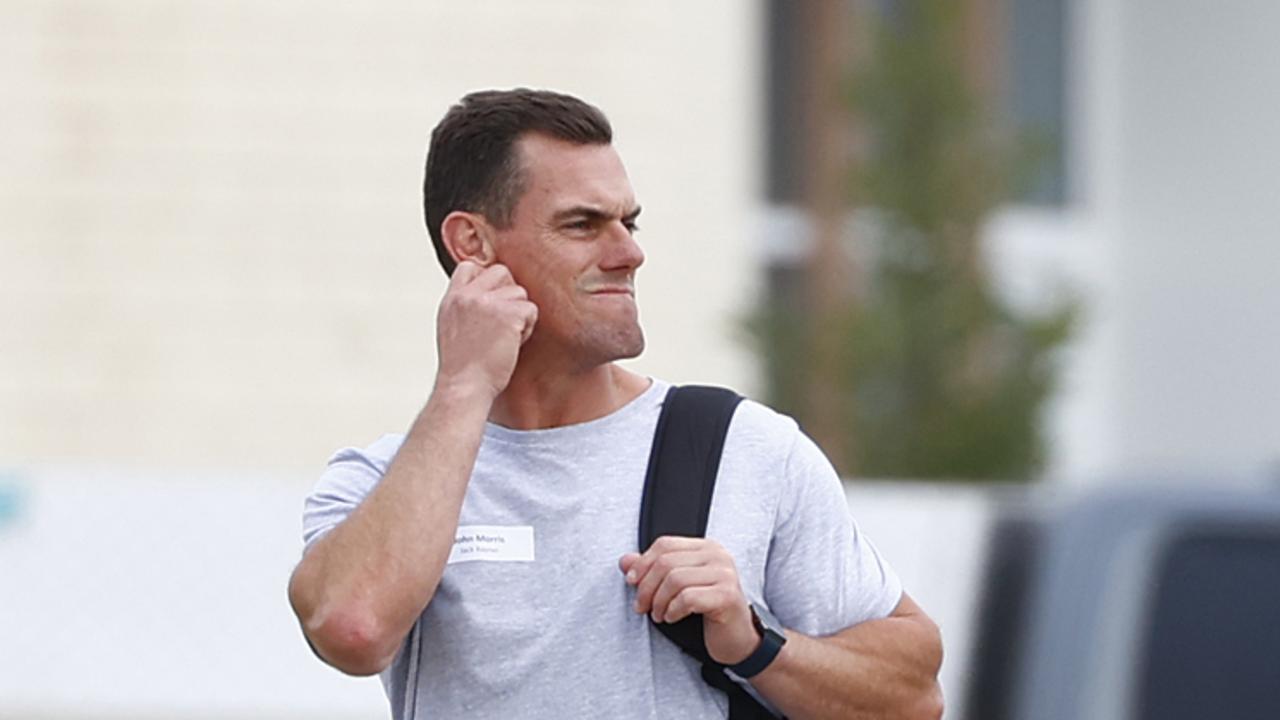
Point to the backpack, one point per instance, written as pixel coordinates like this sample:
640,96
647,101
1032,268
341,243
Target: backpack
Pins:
678,486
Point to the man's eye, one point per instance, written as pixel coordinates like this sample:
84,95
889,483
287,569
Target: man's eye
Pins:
632,227
579,225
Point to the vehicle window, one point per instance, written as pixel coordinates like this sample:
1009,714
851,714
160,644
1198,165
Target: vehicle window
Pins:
1213,643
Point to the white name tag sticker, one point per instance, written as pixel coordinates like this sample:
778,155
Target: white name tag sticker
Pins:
494,543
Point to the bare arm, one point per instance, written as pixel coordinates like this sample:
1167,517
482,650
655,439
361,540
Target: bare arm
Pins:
882,669
360,588
878,669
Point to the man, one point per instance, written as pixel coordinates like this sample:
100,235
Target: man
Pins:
485,563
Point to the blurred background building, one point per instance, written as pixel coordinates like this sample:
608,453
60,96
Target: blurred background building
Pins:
213,273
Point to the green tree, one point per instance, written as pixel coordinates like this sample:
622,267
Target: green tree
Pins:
935,376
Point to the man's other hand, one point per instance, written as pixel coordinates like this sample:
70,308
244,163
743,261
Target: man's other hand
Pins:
680,576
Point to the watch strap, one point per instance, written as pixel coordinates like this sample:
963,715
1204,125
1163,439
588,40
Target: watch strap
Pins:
771,642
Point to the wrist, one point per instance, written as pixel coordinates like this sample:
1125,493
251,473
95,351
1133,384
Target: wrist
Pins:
750,648
771,636
464,407
454,390
743,646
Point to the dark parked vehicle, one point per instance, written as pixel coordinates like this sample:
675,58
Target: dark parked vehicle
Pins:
1146,605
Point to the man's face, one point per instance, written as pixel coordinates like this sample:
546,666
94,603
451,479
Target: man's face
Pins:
570,246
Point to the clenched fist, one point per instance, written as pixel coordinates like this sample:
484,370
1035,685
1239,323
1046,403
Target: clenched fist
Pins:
483,320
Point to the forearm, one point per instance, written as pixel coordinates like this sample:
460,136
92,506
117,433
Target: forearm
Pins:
879,669
359,589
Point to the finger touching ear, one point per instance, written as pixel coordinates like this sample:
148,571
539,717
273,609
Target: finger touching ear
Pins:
467,237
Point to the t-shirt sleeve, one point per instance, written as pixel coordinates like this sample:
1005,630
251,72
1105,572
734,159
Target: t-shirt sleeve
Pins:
823,575
349,476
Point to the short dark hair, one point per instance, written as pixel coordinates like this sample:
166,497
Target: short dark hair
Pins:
472,163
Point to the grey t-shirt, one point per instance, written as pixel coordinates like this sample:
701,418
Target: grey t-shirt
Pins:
532,617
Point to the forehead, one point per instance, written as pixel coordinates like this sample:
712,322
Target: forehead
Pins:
560,173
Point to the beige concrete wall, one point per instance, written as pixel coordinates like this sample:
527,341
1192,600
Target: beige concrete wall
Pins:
211,245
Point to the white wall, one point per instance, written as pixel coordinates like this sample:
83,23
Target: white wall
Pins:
1172,240
133,595
159,596
1199,252
211,245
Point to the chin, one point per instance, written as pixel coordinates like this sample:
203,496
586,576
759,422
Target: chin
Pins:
619,345
632,351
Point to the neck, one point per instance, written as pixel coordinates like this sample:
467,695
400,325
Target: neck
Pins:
537,399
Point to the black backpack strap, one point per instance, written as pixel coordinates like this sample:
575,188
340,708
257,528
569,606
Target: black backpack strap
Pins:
678,486
684,461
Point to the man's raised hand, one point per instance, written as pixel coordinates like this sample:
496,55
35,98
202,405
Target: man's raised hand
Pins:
483,320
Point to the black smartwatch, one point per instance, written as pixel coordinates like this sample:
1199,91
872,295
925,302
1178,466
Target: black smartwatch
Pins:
772,638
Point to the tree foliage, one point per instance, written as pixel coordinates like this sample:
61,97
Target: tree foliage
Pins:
939,377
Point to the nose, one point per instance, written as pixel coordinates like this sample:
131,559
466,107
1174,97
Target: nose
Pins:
623,252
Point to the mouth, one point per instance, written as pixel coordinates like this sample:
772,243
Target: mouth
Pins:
613,290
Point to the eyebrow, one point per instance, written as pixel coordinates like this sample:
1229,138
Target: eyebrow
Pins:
593,213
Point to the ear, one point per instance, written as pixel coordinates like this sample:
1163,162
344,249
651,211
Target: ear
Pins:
468,237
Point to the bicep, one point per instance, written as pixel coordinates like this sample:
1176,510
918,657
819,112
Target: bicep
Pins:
908,630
